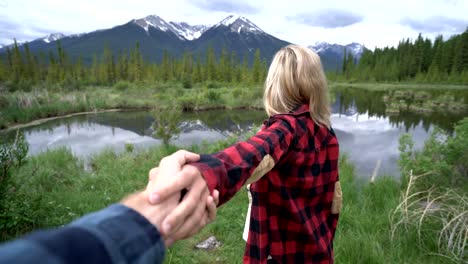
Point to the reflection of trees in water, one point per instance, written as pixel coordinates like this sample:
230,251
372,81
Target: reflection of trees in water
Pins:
227,120
361,101
166,124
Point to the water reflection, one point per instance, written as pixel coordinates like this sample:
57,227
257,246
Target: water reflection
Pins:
91,133
365,131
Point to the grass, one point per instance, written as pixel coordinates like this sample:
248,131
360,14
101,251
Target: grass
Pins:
23,107
52,189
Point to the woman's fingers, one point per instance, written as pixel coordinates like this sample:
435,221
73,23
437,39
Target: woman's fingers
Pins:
216,197
211,203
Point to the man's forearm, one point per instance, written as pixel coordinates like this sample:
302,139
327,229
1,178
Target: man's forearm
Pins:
116,234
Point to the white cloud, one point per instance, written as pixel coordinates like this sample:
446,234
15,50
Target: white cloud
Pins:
379,24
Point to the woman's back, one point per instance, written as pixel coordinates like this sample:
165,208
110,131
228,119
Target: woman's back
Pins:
291,218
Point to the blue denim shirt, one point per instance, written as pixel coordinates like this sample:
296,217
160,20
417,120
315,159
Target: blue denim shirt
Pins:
116,234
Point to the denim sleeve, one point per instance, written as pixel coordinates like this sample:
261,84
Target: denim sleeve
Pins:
116,234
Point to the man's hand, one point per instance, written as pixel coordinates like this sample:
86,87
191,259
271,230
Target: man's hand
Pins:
197,207
155,214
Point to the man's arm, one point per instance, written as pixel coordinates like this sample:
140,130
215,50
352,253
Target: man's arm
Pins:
116,234
120,233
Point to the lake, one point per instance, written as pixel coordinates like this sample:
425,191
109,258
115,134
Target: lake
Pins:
366,131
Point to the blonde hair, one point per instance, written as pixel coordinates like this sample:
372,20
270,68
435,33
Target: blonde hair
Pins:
296,77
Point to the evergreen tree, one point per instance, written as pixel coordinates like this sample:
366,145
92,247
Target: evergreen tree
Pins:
210,64
256,68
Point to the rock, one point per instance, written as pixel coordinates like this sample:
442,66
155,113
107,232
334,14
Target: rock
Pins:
209,244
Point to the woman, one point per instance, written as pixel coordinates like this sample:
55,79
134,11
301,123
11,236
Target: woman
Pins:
291,163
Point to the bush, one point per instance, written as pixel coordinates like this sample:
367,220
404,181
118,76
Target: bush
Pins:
12,154
122,85
434,202
187,83
443,156
187,103
129,148
212,84
213,96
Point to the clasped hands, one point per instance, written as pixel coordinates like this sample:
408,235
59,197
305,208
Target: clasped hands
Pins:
176,217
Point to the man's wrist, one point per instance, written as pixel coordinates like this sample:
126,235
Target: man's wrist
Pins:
139,203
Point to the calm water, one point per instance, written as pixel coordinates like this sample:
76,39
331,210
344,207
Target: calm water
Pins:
365,132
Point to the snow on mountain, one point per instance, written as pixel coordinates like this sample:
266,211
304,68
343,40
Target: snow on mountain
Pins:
53,37
239,24
355,48
183,30
155,22
187,31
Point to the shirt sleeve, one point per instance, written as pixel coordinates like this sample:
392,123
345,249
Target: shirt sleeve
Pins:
228,170
116,234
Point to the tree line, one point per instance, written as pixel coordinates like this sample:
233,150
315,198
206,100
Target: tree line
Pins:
421,60
20,68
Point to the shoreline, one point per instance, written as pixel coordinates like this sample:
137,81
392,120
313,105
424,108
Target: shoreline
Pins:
47,119
393,86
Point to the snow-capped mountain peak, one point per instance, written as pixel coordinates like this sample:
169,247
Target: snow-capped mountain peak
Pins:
53,37
187,31
153,21
239,24
182,30
355,48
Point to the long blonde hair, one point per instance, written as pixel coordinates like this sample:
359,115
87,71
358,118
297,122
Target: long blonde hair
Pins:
296,77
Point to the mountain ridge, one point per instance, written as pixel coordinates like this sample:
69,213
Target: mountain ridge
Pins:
235,33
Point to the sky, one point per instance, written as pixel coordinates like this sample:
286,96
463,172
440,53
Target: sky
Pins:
304,22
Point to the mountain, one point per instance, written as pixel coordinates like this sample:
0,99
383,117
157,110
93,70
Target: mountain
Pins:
182,30
53,37
332,54
189,32
155,35
238,34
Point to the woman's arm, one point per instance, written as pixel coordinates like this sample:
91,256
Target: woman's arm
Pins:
245,162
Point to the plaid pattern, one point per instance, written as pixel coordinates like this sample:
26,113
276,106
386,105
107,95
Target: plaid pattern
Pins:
291,217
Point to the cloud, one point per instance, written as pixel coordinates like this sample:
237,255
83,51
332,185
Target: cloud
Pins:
328,18
436,24
229,6
21,31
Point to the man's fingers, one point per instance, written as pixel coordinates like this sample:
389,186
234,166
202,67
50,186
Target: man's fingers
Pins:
164,190
189,156
188,205
192,225
153,173
182,180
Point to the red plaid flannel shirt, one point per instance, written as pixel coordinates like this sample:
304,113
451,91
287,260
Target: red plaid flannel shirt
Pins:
291,218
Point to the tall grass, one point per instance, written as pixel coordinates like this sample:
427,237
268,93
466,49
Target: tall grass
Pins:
439,216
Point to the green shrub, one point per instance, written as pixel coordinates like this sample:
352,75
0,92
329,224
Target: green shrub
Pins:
187,83
12,154
212,84
129,148
213,96
187,103
443,157
122,85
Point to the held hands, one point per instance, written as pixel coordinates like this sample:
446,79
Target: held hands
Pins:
196,209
